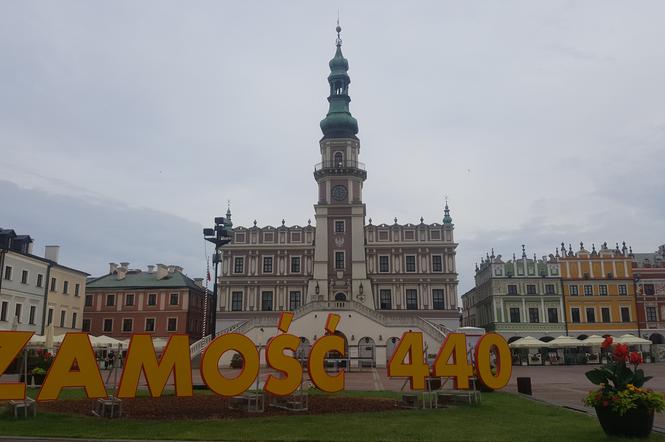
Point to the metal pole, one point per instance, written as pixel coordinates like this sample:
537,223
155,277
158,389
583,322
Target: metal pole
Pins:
215,261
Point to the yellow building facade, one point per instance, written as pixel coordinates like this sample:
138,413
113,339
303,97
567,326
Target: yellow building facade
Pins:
598,290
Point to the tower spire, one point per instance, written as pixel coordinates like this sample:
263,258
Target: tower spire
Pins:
447,219
339,123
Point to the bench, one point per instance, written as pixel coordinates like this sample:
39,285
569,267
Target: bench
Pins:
253,402
445,397
27,405
294,402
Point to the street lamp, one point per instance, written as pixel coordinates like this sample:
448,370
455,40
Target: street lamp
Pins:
219,236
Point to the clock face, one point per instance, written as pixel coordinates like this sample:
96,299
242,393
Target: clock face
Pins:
339,193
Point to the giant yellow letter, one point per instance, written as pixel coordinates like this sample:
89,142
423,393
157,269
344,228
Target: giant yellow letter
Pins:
11,343
141,357
74,350
210,364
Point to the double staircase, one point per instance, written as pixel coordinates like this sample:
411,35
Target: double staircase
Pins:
436,331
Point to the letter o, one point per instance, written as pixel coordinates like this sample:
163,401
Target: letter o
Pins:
210,364
503,361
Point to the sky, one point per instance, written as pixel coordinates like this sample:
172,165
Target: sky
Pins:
125,127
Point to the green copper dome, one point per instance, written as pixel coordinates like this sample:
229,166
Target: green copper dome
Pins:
447,219
339,123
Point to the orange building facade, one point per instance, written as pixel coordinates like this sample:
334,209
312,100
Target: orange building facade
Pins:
599,291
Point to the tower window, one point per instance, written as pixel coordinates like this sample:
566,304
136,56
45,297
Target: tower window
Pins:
339,227
339,260
339,159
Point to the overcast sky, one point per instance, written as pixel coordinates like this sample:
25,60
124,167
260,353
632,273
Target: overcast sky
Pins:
126,126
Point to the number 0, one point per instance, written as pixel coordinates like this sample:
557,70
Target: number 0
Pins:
503,361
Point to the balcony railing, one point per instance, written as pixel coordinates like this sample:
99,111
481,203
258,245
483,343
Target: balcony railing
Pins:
339,165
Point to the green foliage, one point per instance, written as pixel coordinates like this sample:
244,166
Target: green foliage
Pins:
620,401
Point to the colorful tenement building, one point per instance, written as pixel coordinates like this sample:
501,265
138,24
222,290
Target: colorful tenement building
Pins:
576,293
36,291
516,298
649,277
161,301
598,291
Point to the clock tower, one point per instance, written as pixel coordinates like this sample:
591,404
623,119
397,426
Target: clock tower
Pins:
340,267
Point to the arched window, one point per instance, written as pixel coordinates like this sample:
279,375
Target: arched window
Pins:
339,159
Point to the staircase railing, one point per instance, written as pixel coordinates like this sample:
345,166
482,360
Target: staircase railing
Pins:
197,347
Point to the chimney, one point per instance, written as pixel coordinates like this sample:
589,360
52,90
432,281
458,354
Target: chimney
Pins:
198,282
151,269
162,271
51,252
30,247
121,271
112,267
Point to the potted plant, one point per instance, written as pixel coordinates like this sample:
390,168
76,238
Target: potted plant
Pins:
623,406
38,375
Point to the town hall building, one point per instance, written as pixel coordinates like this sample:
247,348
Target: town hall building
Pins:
383,279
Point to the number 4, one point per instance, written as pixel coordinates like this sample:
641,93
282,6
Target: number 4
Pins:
459,369
416,369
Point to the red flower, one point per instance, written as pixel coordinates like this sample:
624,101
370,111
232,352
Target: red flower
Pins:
605,403
620,352
635,358
607,342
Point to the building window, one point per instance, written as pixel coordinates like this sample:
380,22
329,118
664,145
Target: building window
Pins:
385,299
239,237
339,227
127,325
3,311
410,263
152,298
575,314
590,314
40,280
266,301
552,315
514,314
62,318
512,289
236,301
77,288
108,325
622,289
238,264
339,260
49,319
53,284
88,300
649,289
172,324
530,289
602,289
65,287
437,263
294,300
74,320
588,290
267,264
411,299
549,289
438,302
86,325
384,264
533,314
383,235
150,324
625,314
17,312
605,314
651,314
110,300
295,264
174,299
573,290
24,277
129,299
33,310
8,272
339,159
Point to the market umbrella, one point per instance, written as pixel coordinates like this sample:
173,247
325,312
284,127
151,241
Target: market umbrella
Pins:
593,341
48,336
631,340
527,342
37,340
105,341
564,342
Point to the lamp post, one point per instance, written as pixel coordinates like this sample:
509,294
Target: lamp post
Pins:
219,236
